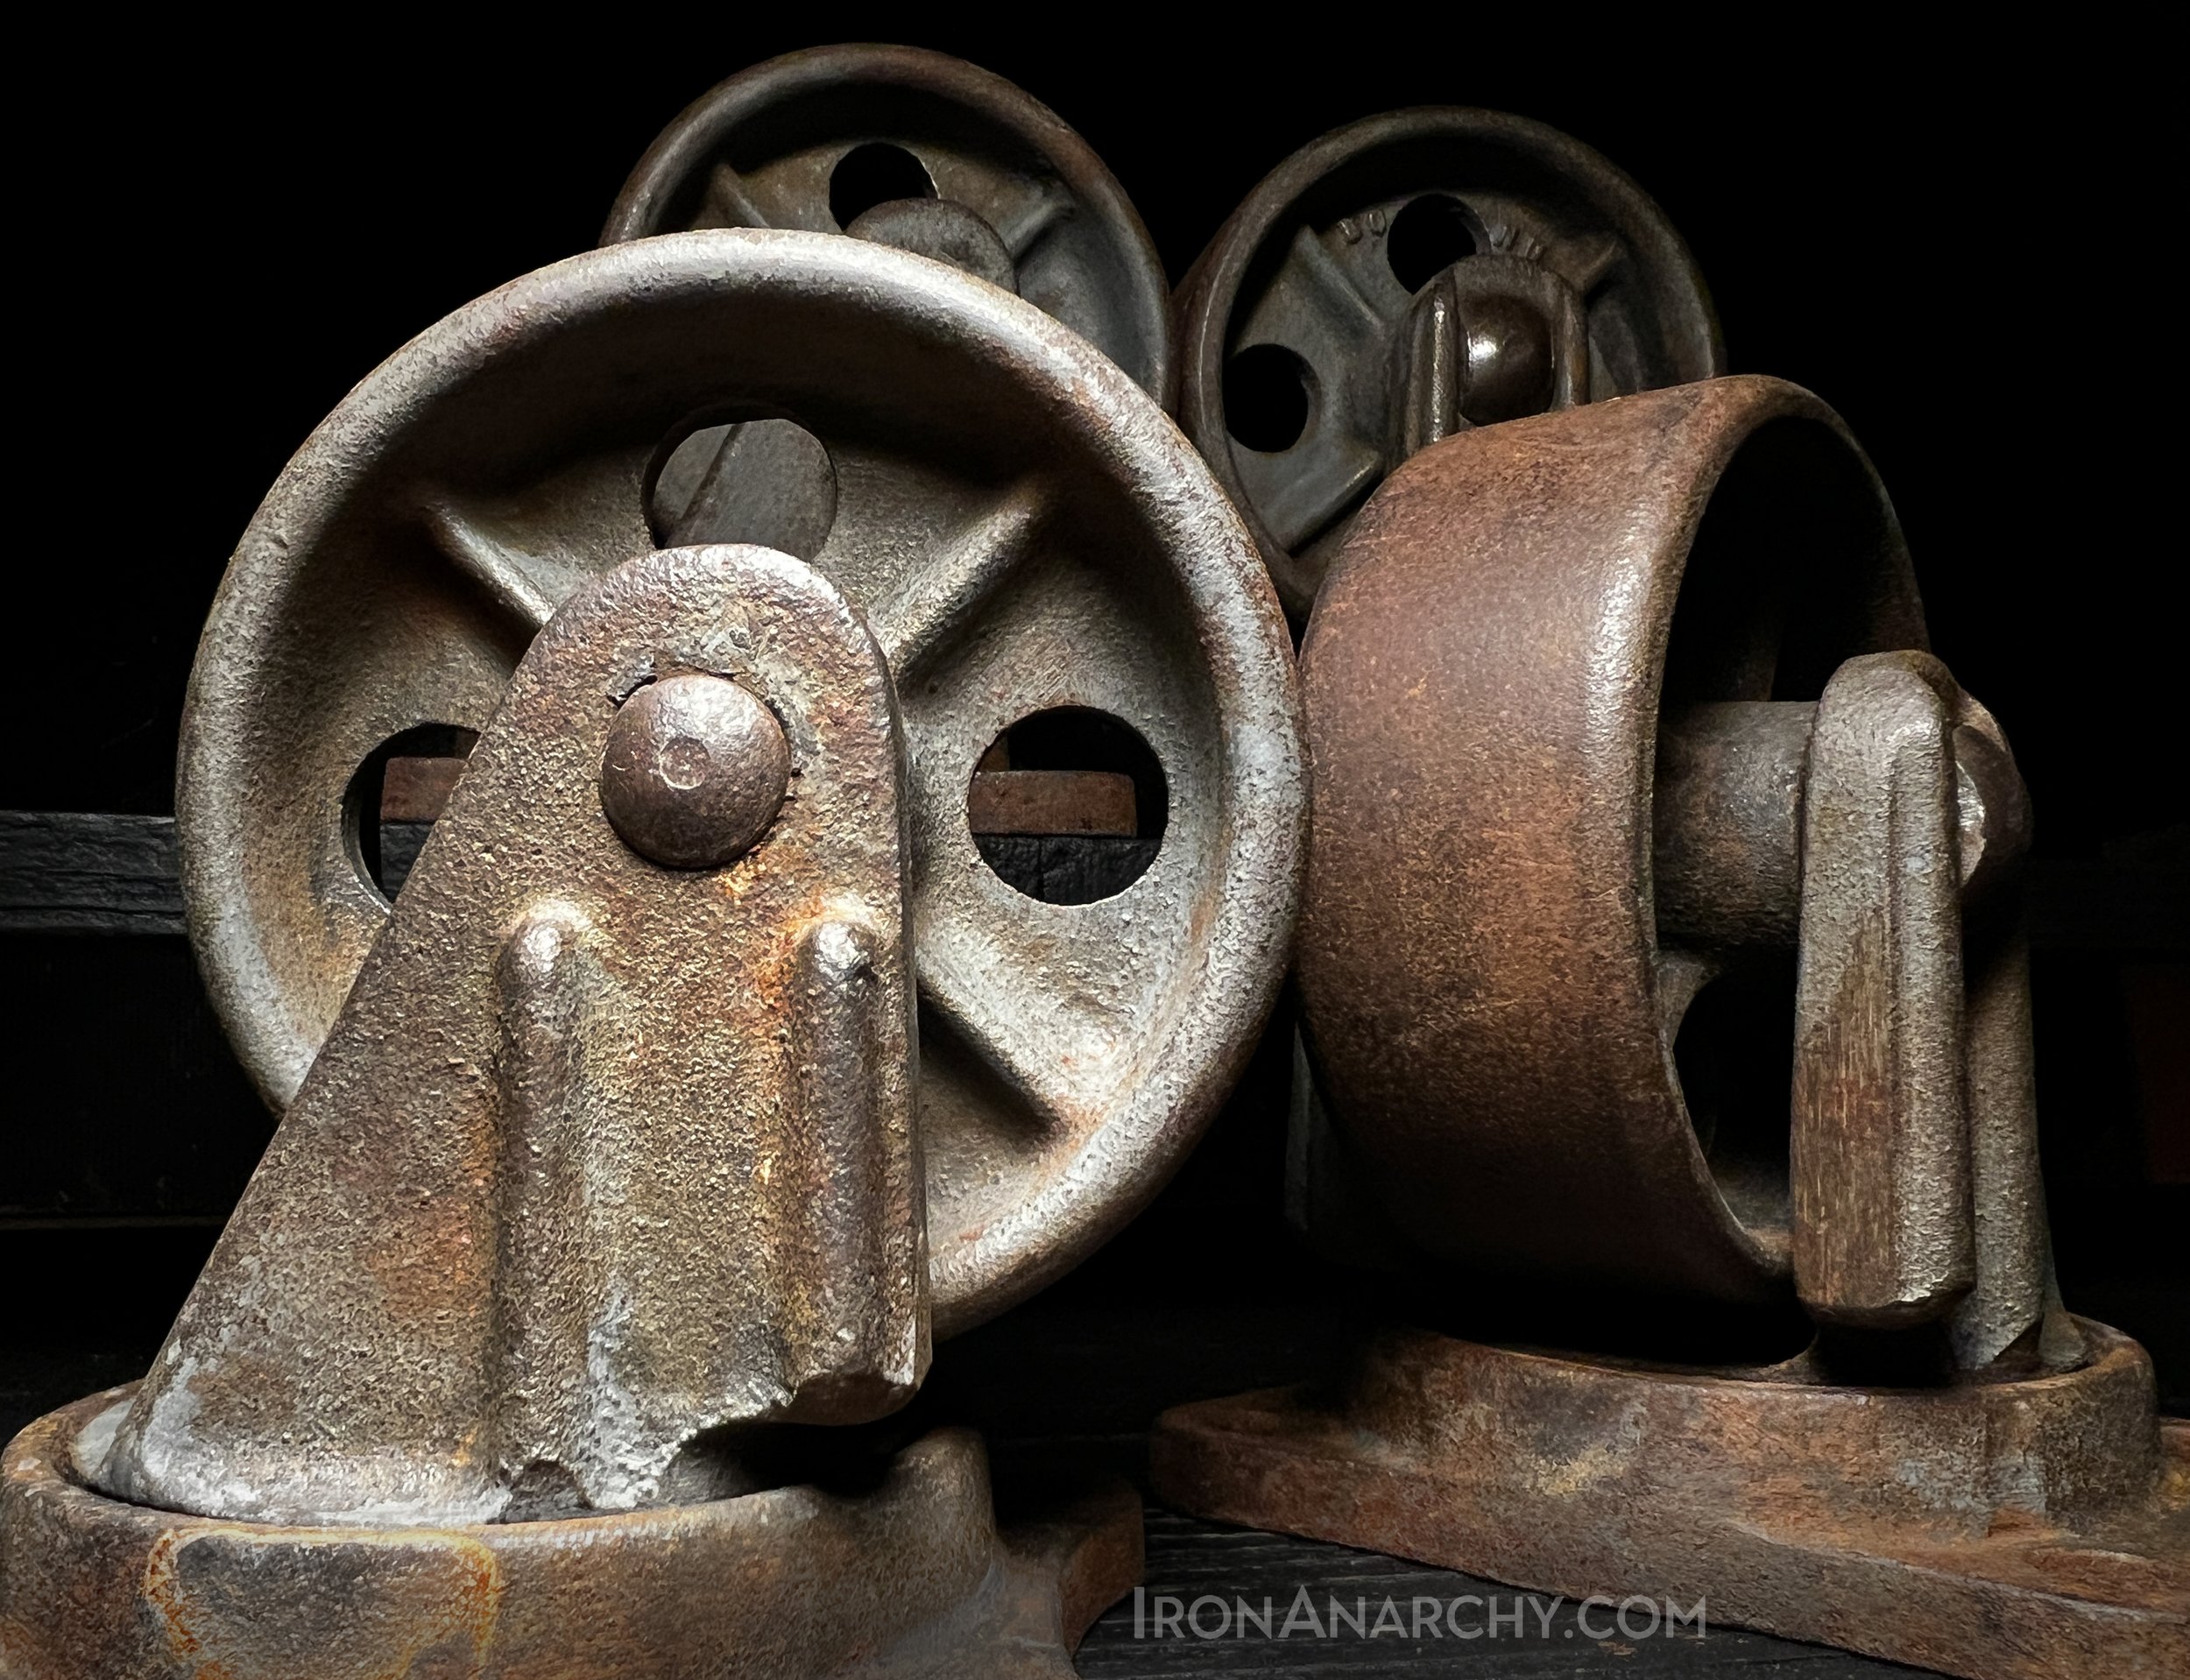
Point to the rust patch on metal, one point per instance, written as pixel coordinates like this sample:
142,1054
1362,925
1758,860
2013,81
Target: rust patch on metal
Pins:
439,1608
1616,714
1482,965
1002,501
912,1577
1912,1526
975,171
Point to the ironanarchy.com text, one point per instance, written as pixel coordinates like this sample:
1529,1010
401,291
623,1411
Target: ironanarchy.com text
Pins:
1471,1615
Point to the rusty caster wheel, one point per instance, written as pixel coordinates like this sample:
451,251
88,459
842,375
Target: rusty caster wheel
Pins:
926,152
902,147
1411,276
1554,1047
1661,961
1027,536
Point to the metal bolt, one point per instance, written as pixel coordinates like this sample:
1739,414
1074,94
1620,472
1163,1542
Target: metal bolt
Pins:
694,770
1510,360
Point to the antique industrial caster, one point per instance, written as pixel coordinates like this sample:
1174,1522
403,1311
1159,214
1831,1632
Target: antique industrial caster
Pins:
703,1068
1663,976
1411,276
903,147
918,149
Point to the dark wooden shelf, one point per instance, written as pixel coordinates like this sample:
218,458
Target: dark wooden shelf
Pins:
99,872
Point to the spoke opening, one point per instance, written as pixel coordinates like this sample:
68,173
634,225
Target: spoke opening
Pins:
395,796
877,172
1429,234
1268,398
1069,806
767,481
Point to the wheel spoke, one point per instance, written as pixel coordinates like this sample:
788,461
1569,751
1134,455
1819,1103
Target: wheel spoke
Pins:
727,204
1032,222
1316,487
526,553
1002,1039
516,583
1327,292
967,565
1316,308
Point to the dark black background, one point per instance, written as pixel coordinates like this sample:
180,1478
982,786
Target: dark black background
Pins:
1953,249
1961,244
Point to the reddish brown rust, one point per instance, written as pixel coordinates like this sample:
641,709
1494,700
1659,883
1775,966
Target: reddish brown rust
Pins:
913,1578
417,789
2025,1530
602,1159
1726,820
601,1167
1479,955
1881,1153
1608,708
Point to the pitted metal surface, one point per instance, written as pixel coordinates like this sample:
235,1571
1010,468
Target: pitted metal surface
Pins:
2020,1530
1406,278
1017,525
602,1156
909,1579
1491,1000
1663,938
1917,1197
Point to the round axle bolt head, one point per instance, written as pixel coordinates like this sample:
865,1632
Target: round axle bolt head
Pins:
694,772
1510,356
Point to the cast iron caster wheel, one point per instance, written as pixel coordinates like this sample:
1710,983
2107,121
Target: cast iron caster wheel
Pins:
1526,996
1028,538
927,152
1411,276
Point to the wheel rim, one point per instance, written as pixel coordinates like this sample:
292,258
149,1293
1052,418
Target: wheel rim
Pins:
770,147
1309,267
1023,530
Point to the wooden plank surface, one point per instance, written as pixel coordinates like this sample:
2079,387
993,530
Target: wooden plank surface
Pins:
96,871
88,871
1052,801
